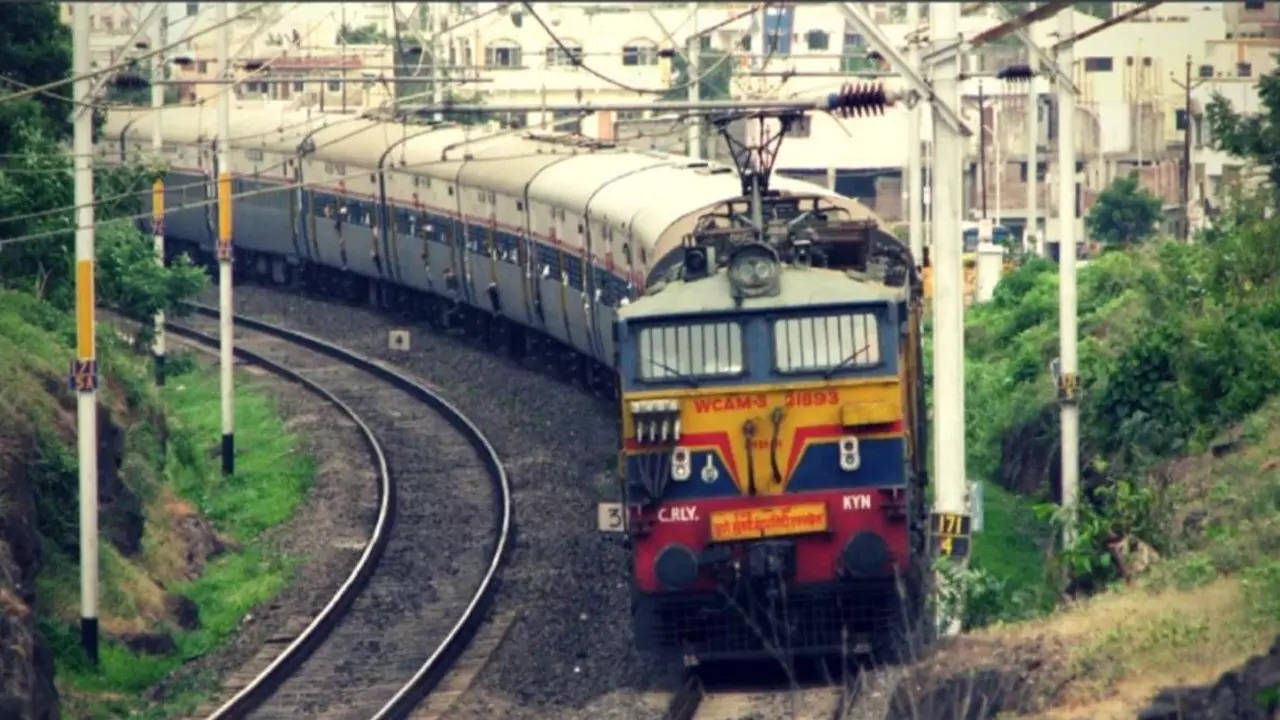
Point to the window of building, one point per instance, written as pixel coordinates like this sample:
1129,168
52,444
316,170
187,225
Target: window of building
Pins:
503,53
1206,71
1244,69
556,57
745,43
1146,62
699,350
853,40
1097,64
202,67
297,86
640,52
334,86
704,42
1180,119
192,8
817,40
1254,5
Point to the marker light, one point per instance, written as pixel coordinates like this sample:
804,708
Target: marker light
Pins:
850,459
681,468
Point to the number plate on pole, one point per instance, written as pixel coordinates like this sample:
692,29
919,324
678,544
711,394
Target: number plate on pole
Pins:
609,517
951,533
84,375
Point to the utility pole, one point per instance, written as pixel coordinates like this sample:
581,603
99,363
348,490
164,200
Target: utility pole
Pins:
84,371
1187,86
342,29
982,146
951,510
157,188
1067,379
692,71
1030,234
225,328
915,207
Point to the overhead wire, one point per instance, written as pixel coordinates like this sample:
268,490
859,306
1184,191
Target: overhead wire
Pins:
32,90
376,122
577,62
262,191
147,191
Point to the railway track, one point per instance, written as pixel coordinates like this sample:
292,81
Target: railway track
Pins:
428,573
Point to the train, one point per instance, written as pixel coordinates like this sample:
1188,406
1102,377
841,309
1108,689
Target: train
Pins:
760,335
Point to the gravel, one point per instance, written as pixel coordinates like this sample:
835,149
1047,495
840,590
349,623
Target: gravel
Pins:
326,532
570,652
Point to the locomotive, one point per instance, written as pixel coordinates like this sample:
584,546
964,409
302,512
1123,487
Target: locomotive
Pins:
761,336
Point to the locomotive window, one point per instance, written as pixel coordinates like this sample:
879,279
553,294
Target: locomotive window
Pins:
699,350
848,340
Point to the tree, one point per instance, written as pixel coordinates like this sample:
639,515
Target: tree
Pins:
1124,213
365,35
35,48
1256,137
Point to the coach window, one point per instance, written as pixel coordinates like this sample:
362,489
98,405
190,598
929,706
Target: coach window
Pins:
694,350
827,342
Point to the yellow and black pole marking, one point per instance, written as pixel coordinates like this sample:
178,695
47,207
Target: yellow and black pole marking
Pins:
225,321
157,231
84,368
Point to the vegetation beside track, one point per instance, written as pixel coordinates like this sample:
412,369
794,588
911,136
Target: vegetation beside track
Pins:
1177,341
182,561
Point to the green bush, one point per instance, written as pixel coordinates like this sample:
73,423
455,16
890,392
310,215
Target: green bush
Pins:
1176,341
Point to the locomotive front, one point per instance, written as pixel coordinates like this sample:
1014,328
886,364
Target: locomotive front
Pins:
771,411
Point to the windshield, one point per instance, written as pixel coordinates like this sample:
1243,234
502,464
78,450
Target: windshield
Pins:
826,342
686,351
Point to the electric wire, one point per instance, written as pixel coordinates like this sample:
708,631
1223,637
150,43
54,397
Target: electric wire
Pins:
32,90
577,62
249,193
362,172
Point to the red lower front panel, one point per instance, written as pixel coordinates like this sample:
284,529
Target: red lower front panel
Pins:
819,556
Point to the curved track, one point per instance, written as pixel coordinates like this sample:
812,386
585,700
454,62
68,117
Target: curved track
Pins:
422,585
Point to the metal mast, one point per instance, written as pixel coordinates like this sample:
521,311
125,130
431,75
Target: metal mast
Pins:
915,207
692,72
1067,380
157,191
948,302
84,372
225,328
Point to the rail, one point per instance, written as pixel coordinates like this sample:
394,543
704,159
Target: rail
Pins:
442,658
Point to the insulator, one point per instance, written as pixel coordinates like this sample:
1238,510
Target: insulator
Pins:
1016,73
857,100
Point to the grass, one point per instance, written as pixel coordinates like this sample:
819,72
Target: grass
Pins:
1011,544
1197,612
272,478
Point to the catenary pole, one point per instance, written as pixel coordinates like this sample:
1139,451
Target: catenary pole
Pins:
915,207
225,328
1030,232
84,375
157,191
692,70
982,147
1067,384
950,503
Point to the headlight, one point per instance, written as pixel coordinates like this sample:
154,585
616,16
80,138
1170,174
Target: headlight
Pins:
754,271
